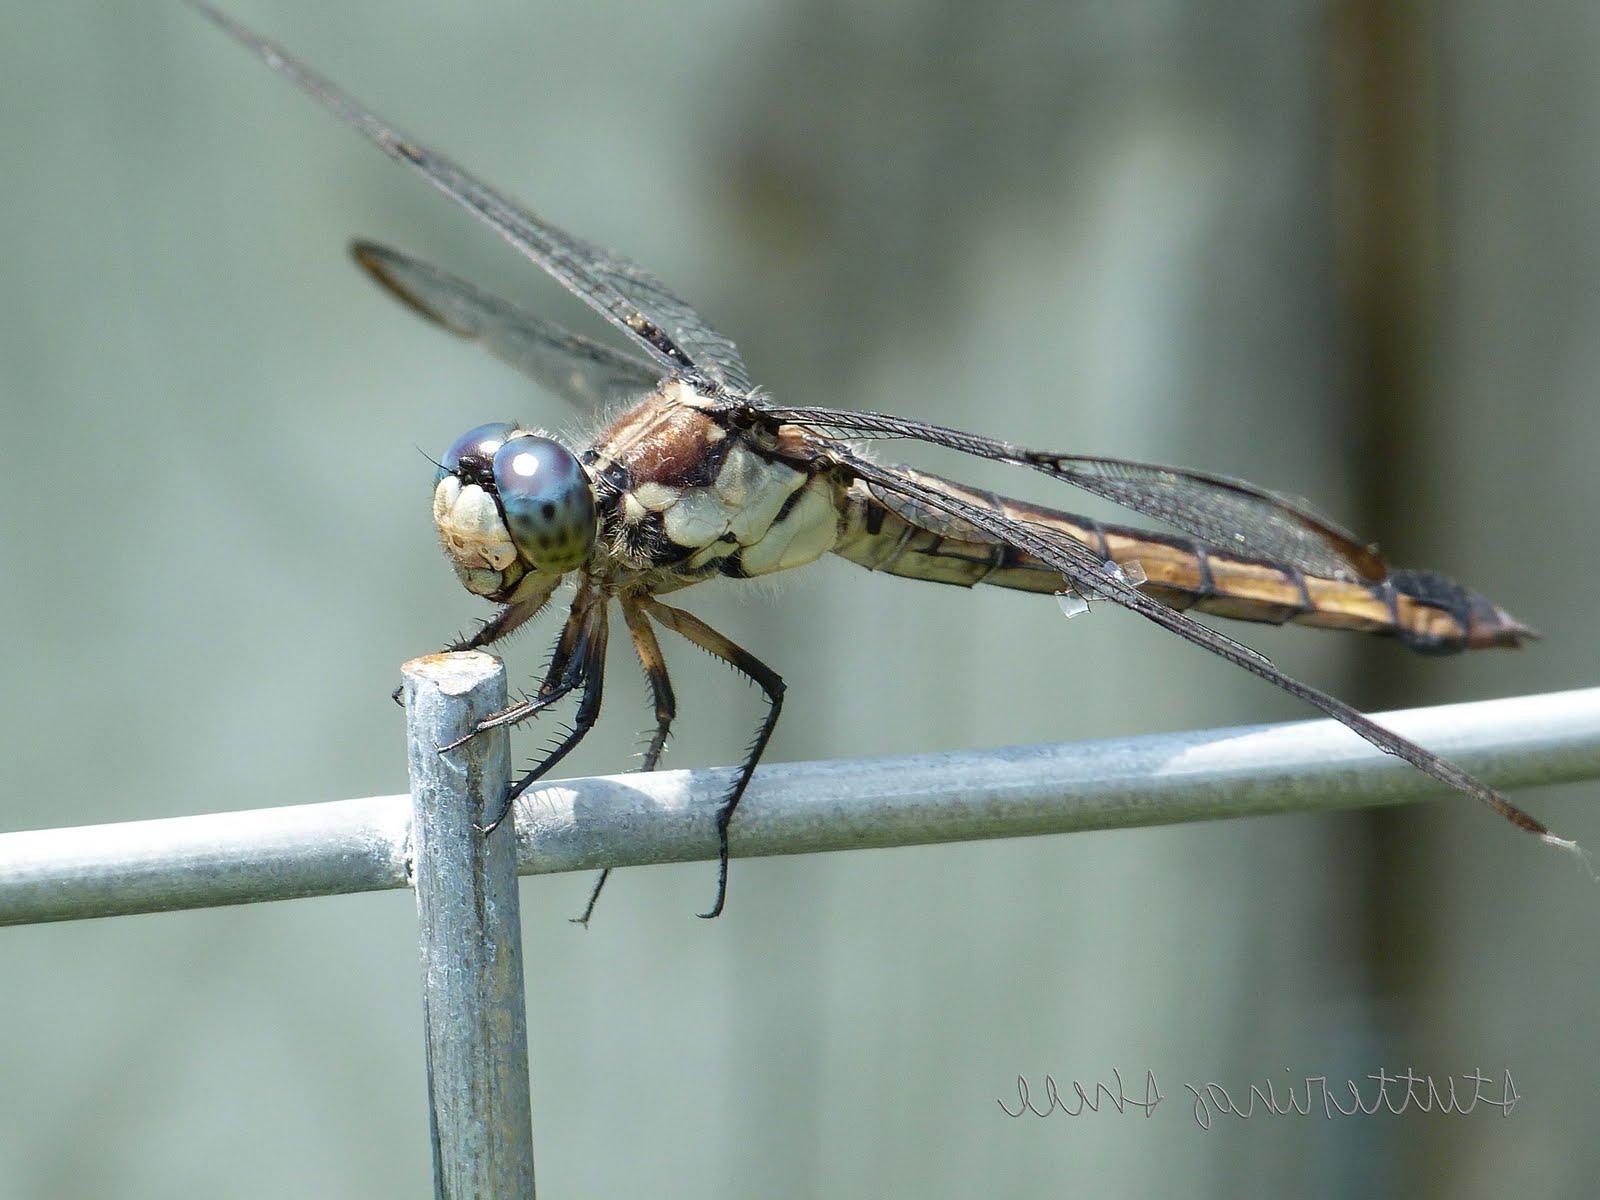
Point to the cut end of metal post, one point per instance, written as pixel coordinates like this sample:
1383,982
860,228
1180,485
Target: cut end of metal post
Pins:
454,673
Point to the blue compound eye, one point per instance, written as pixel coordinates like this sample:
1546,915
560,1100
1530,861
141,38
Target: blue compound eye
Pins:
548,502
472,454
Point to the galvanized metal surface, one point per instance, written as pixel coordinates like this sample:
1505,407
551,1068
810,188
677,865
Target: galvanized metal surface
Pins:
201,861
799,808
471,938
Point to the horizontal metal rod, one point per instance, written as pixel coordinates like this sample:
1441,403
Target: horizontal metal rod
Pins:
801,808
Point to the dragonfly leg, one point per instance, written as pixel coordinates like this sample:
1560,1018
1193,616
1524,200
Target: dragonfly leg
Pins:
589,667
562,675
522,711
768,680
504,622
654,663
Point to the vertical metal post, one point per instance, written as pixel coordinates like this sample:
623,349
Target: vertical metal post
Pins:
474,1013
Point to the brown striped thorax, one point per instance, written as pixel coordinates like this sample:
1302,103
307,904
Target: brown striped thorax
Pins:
686,494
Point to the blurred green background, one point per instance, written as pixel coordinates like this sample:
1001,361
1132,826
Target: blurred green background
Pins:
1345,249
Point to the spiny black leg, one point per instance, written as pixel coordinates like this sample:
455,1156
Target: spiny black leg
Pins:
591,669
561,676
502,624
768,680
520,712
508,619
666,706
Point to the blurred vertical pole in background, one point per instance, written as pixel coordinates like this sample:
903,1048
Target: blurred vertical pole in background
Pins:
1381,115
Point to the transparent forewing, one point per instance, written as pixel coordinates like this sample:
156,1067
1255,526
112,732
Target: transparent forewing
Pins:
658,319
1084,573
585,372
1228,514
1225,513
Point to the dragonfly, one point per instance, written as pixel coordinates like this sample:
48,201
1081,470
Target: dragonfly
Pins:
703,476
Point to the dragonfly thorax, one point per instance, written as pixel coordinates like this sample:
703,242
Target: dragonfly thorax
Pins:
512,506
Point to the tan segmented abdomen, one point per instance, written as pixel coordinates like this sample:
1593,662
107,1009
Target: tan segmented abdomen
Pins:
1428,612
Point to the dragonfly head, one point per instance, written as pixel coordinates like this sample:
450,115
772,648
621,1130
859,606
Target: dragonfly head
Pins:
511,504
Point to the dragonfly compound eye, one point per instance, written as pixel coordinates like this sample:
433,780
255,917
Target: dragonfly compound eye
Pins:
471,455
548,502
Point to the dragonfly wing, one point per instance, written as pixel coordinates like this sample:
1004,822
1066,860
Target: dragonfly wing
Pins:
659,320
1228,514
1084,571
585,372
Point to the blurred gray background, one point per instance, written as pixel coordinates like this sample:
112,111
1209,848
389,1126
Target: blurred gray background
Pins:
1344,249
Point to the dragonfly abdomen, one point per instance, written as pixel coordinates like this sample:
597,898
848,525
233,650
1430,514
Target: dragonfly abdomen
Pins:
1429,613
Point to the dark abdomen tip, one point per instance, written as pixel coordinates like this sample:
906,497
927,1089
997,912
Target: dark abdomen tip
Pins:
1475,622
